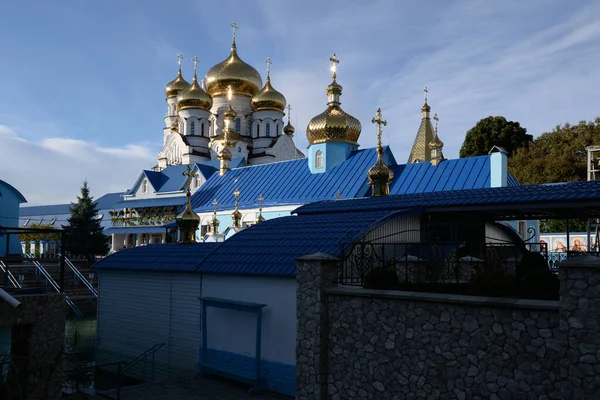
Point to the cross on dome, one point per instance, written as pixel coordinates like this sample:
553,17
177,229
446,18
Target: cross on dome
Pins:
334,62
188,174
179,58
436,119
426,92
234,26
377,120
269,62
289,108
195,60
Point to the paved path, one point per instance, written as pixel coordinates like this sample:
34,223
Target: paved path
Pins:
197,389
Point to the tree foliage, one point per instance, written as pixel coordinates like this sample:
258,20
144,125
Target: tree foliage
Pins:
557,156
37,236
83,232
494,131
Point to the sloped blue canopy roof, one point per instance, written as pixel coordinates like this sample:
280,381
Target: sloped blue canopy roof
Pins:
167,257
567,196
286,182
272,247
12,188
152,202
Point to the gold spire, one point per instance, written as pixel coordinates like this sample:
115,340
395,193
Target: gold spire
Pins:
236,216
339,195
188,220
194,97
260,217
380,176
215,222
268,98
178,84
244,79
289,129
436,145
420,151
333,125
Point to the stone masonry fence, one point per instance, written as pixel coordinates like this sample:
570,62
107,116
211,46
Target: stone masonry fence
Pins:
354,343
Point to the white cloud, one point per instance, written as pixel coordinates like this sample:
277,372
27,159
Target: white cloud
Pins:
52,171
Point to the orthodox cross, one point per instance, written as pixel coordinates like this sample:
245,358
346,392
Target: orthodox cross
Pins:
334,62
436,119
339,195
260,200
235,27
188,174
237,197
377,120
268,61
426,91
195,60
289,108
179,58
214,203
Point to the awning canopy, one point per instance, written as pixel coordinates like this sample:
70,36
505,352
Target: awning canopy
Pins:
156,202
134,229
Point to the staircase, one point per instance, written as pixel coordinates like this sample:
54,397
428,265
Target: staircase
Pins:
79,287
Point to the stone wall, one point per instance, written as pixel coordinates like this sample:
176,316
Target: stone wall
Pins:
38,334
401,345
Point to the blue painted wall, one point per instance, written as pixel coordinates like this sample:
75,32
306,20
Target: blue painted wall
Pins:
10,198
279,377
334,153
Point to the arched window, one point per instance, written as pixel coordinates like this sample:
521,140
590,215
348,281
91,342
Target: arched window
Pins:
319,159
145,186
268,129
257,130
202,129
192,128
277,128
249,128
238,125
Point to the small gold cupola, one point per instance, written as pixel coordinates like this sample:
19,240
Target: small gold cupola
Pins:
260,217
242,77
188,221
214,224
333,125
289,129
194,97
436,145
268,98
178,84
380,175
236,216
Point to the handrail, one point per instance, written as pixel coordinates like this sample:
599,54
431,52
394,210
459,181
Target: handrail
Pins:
142,357
53,283
11,277
80,276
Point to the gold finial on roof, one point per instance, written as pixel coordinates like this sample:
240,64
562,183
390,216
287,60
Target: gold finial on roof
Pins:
334,62
195,60
215,203
377,120
269,62
289,108
426,92
436,119
215,222
237,197
234,26
236,216
188,174
188,220
339,195
260,218
179,58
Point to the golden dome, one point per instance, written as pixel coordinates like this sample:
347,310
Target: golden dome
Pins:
242,77
268,98
187,222
333,124
194,97
436,143
176,85
380,173
229,114
225,154
289,129
425,107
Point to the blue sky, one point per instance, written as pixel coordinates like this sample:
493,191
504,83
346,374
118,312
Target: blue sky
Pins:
83,81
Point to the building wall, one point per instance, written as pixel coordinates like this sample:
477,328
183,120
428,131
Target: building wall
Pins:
372,344
401,229
9,217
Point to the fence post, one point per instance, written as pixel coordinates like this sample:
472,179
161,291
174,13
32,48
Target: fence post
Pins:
315,273
62,262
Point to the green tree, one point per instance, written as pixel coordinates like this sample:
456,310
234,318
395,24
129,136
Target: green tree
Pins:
83,233
557,156
494,131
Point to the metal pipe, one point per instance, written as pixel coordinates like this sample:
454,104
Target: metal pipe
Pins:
62,262
14,303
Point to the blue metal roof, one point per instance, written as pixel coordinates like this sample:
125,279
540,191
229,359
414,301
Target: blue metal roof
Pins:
10,187
272,247
286,182
134,229
152,202
510,195
107,201
167,257
43,211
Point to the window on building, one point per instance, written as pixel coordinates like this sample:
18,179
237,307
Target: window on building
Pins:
277,127
268,129
192,128
249,128
319,159
145,186
238,125
202,129
196,181
257,130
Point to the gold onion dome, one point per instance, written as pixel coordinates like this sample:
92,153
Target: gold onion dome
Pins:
229,114
380,173
177,85
268,98
289,129
334,124
194,97
234,72
436,143
426,107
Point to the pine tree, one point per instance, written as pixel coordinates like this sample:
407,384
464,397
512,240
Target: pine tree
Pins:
83,233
